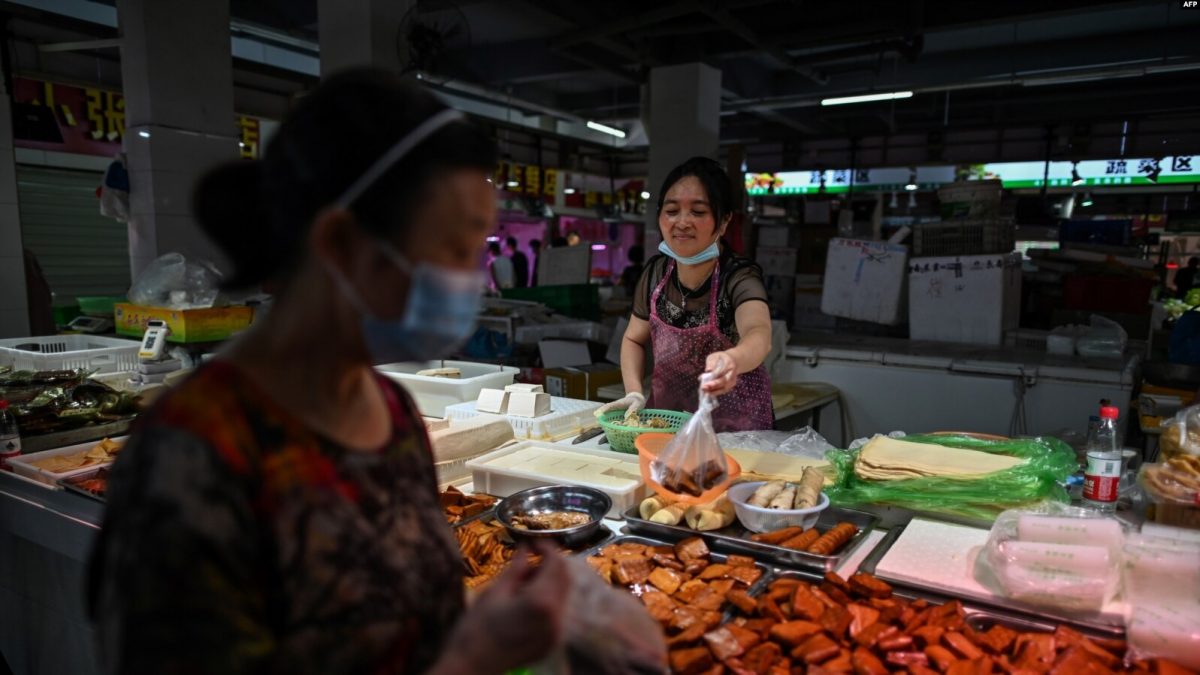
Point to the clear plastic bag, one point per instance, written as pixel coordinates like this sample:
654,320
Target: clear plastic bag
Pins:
605,631
1181,435
692,463
1054,556
1162,588
1104,339
804,443
173,281
1048,462
859,442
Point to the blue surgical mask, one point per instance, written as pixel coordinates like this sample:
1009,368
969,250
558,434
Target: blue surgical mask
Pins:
439,315
703,256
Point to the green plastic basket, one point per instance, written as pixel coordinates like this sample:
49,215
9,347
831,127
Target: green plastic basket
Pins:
621,437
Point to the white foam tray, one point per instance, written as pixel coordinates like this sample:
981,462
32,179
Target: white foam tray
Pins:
23,465
490,477
568,418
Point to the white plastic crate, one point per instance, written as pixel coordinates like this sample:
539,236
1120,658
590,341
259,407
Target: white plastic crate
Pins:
70,352
434,394
532,464
23,465
568,417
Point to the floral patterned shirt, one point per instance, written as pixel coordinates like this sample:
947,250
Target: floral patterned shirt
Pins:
236,540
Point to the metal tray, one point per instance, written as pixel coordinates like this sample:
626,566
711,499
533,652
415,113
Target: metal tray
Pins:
736,539
977,617
754,589
996,607
68,483
602,538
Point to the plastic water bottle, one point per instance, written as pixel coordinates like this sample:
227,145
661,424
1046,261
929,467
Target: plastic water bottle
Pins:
1103,472
10,437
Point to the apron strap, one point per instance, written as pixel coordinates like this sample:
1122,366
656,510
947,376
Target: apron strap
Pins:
713,289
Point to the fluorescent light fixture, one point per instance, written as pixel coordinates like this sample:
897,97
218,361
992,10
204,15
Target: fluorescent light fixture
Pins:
865,98
645,195
1087,199
911,187
912,200
598,247
568,191
493,239
513,183
893,204
604,128
144,134
241,144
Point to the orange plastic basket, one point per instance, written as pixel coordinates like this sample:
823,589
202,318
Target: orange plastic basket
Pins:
650,444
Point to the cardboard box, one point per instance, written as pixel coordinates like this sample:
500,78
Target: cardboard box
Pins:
581,382
972,299
865,281
776,261
187,325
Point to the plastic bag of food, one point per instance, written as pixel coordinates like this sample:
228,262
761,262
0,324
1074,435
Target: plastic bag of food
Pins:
1181,435
1047,462
692,463
1053,556
606,631
1162,588
175,282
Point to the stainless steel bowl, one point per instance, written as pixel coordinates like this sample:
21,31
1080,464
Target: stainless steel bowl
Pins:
556,498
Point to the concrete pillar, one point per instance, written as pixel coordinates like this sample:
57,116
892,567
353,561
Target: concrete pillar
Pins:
362,33
177,74
685,120
14,308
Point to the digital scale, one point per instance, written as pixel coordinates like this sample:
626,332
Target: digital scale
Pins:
153,365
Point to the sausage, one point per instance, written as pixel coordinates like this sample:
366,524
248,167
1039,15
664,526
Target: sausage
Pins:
834,539
777,537
802,541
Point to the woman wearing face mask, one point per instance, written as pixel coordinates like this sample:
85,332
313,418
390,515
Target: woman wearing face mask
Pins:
700,308
278,511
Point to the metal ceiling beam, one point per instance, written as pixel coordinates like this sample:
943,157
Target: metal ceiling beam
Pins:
80,46
739,28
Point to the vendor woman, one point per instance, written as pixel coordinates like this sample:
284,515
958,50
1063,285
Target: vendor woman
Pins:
700,308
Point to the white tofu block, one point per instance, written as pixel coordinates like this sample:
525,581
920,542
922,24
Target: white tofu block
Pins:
525,388
493,401
526,404
570,464
1104,532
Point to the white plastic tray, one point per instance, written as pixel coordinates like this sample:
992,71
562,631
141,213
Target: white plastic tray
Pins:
508,471
568,417
433,394
23,465
70,352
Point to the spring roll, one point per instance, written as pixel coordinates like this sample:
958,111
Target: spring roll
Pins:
808,492
671,515
784,499
714,516
651,506
765,493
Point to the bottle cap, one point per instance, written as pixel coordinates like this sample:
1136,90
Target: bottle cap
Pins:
1110,412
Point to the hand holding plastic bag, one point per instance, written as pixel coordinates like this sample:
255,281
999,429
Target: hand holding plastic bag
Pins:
693,462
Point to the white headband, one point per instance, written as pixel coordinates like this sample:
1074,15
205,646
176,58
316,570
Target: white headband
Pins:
397,151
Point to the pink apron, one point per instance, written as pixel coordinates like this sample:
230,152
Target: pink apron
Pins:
679,359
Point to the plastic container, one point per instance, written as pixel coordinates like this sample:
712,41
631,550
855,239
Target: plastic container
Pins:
433,394
533,464
622,437
648,447
758,519
568,417
23,465
69,352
